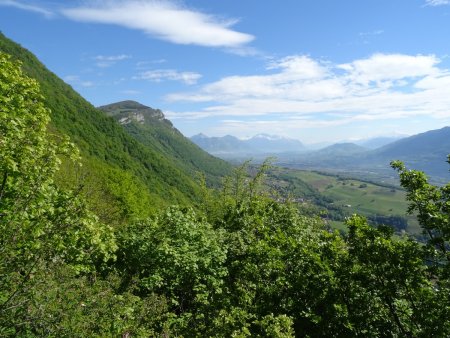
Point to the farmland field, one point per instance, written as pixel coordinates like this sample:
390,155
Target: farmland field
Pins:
354,196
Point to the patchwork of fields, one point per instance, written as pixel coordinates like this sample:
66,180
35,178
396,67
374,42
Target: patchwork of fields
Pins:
353,196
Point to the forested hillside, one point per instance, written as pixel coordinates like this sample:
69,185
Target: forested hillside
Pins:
149,127
238,264
130,176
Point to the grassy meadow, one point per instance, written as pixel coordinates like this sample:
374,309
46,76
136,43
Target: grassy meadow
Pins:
356,197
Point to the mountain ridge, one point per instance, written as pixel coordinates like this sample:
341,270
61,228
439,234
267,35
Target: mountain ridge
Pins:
262,144
150,127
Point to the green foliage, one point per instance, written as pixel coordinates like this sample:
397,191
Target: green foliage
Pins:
64,304
386,287
399,223
107,147
39,223
180,256
245,265
149,127
114,195
432,205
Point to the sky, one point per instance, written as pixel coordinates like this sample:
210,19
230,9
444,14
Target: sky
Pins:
313,70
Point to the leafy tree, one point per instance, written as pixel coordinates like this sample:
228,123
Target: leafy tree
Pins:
276,260
385,286
432,205
178,255
40,224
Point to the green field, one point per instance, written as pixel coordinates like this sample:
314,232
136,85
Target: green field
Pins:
355,196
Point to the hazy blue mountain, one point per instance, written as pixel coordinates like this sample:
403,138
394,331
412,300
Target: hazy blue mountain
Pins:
265,143
341,149
433,143
259,144
377,142
426,151
221,145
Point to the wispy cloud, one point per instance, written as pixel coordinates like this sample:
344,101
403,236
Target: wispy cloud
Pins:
371,33
27,7
148,64
166,20
108,61
301,91
366,37
75,80
437,2
160,75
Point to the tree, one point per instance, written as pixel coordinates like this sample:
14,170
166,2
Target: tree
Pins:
180,256
41,225
432,206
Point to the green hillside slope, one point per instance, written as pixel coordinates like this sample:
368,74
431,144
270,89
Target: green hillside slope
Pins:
151,128
110,154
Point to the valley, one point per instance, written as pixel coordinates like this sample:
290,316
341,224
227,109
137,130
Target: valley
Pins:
426,152
114,224
337,197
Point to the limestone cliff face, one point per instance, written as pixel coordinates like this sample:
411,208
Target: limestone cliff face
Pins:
127,112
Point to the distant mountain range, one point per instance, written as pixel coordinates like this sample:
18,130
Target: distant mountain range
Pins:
377,142
260,144
341,149
426,151
230,146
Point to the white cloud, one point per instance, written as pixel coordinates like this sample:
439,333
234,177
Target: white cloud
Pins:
108,61
26,7
71,78
390,67
160,75
147,64
75,80
87,84
112,57
371,33
300,67
165,20
366,37
437,2
299,88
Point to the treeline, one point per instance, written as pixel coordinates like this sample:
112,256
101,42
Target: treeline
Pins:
240,264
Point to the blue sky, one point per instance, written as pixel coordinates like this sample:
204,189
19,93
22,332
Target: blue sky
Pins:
314,70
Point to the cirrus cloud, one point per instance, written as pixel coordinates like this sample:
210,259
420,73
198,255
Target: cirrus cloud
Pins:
27,7
160,75
104,61
164,20
437,2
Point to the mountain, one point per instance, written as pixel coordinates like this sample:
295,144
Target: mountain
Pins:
123,174
265,143
150,127
335,157
425,151
261,144
433,143
221,145
341,149
377,142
